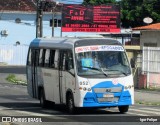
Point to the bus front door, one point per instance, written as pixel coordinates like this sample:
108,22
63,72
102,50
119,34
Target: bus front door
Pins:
62,77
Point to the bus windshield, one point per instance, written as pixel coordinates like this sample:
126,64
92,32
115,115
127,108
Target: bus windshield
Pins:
102,63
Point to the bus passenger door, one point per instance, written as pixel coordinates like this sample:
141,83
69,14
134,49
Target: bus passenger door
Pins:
66,74
61,75
34,62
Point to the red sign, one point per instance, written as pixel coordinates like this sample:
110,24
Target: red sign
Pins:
79,18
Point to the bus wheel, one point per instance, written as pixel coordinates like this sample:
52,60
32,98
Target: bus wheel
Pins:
43,101
70,104
123,109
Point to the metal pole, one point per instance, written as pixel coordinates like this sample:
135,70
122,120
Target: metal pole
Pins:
39,27
37,20
53,21
61,21
41,22
148,69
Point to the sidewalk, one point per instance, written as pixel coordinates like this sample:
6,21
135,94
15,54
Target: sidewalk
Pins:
150,97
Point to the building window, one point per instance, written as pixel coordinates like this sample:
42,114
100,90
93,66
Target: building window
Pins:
47,55
150,44
57,23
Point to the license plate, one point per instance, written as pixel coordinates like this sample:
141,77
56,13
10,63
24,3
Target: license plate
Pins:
108,95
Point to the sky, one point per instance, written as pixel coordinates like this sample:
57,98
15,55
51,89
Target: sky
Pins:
70,1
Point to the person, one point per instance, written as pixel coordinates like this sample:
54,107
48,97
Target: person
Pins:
111,60
96,63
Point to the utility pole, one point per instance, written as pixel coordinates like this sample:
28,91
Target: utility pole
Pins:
39,26
53,21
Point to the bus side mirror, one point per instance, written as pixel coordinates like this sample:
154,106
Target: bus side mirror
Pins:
132,62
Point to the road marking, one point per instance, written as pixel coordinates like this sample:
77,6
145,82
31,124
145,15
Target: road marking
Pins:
4,108
151,109
131,113
152,112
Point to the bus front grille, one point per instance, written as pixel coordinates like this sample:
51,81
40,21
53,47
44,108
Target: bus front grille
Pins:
104,90
107,94
114,99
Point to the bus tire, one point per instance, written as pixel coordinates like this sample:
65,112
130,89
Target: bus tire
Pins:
123,109
43,101
70,104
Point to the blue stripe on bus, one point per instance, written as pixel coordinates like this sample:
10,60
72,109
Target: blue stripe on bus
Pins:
90,99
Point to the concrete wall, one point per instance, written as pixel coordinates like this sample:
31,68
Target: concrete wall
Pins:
150,36
13,55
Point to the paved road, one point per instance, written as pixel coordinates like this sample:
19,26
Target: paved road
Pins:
13,69
14,101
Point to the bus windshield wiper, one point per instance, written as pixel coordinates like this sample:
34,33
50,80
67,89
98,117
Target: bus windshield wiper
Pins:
104,72
98,69
126,74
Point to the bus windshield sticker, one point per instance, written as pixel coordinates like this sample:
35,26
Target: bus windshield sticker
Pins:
98,48
87,62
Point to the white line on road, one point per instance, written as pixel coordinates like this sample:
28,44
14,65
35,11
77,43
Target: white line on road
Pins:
136,114
152,112
151,109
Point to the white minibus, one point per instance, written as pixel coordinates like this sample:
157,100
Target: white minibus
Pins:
80,72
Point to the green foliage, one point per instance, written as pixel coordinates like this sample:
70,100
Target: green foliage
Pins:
98,2
12,78
134,11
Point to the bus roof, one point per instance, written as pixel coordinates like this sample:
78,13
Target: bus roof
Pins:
68,42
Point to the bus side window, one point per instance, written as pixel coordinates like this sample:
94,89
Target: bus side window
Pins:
69,65
42,57
36,57
56,59
51,59
32,57
46,60
29,58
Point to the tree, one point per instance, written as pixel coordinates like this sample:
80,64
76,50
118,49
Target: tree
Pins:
134,11
98,2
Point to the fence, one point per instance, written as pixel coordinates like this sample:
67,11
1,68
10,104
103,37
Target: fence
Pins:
13,55
151,66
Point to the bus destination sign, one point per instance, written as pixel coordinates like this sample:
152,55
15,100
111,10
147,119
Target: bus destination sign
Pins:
79,18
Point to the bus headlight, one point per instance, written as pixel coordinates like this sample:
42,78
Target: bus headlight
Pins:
80,83
89,89
84,88
83,82
129,87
